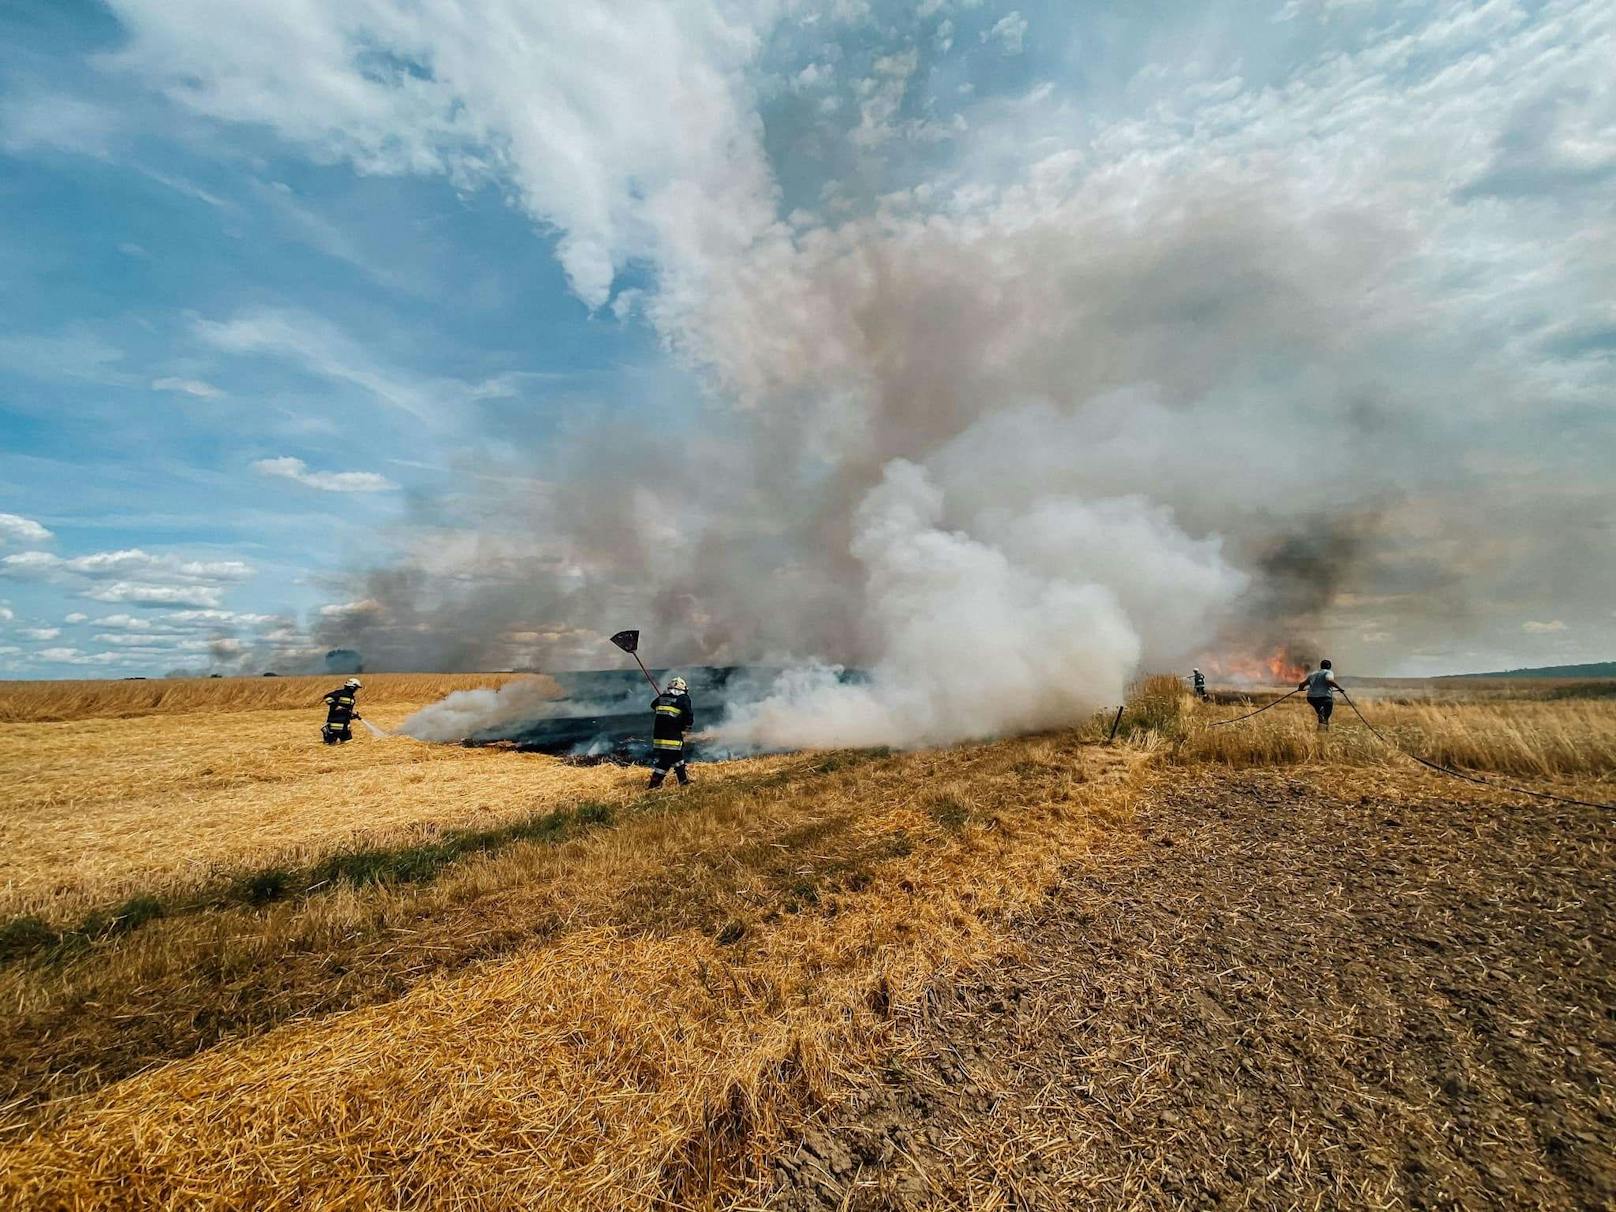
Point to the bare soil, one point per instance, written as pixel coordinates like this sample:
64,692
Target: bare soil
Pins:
1274,992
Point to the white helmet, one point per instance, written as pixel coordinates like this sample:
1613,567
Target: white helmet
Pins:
353,683
678,686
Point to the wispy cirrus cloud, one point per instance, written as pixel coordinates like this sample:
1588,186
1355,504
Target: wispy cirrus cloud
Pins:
296,470
321,348
199,388
41,119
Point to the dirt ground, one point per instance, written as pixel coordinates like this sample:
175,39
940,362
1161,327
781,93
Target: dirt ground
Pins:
1276,992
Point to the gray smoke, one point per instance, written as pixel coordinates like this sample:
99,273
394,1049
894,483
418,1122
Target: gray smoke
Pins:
1002,418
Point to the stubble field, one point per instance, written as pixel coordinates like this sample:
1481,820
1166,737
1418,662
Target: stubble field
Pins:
1243,965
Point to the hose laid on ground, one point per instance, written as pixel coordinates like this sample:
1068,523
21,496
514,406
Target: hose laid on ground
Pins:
1259,711
1442,768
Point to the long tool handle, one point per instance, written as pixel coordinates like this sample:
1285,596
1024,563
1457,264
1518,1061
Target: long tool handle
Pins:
646,672
1114,724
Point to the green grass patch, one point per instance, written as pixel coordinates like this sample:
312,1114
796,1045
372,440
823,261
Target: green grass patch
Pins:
25,935
948,810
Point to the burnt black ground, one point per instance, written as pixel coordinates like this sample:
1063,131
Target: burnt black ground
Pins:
1276,991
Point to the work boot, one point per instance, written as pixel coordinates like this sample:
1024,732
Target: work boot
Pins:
656,779
684,776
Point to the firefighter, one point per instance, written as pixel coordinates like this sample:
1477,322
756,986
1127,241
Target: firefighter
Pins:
671,718
341,713
1321,687
1199,680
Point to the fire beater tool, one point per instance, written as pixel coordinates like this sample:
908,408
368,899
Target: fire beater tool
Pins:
629,642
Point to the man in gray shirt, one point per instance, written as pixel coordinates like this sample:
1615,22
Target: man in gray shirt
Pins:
1321,686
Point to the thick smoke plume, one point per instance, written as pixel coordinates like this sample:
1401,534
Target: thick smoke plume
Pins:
1029,625
1005,418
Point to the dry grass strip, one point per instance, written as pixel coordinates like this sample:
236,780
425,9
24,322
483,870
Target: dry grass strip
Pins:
99,810
606,1069
1562,739
56,702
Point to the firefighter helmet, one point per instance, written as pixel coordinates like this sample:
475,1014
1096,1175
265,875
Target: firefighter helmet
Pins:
678,686
353,683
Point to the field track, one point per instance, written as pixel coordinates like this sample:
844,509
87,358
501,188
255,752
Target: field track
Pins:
1273,993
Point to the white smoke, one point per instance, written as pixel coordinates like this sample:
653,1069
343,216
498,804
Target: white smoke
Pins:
464,712
1030,620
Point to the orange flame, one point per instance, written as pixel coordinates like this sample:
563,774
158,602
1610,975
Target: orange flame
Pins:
1277,667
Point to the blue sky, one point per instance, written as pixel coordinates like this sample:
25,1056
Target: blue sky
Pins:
296,293
185,303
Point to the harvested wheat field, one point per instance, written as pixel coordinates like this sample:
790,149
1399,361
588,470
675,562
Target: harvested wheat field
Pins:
1243,966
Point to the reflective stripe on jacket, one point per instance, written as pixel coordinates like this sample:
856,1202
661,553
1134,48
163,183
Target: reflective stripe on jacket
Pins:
342,704
671,717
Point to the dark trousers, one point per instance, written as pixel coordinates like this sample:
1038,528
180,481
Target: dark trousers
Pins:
664,760
334,733
1323,707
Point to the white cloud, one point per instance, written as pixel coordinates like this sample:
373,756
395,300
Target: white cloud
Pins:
57,122
15,528
130,562
363,606
189,387
134,622
1533,627
39,633
77,616
1008,32
218,618
288,468
136,593
628,126
6,614
882,94
75,656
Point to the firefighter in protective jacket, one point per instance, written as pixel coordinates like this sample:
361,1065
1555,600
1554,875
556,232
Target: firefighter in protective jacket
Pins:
671,718
341,712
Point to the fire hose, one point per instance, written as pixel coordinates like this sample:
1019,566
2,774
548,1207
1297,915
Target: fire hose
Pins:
1443,768
1259,711
1439,767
